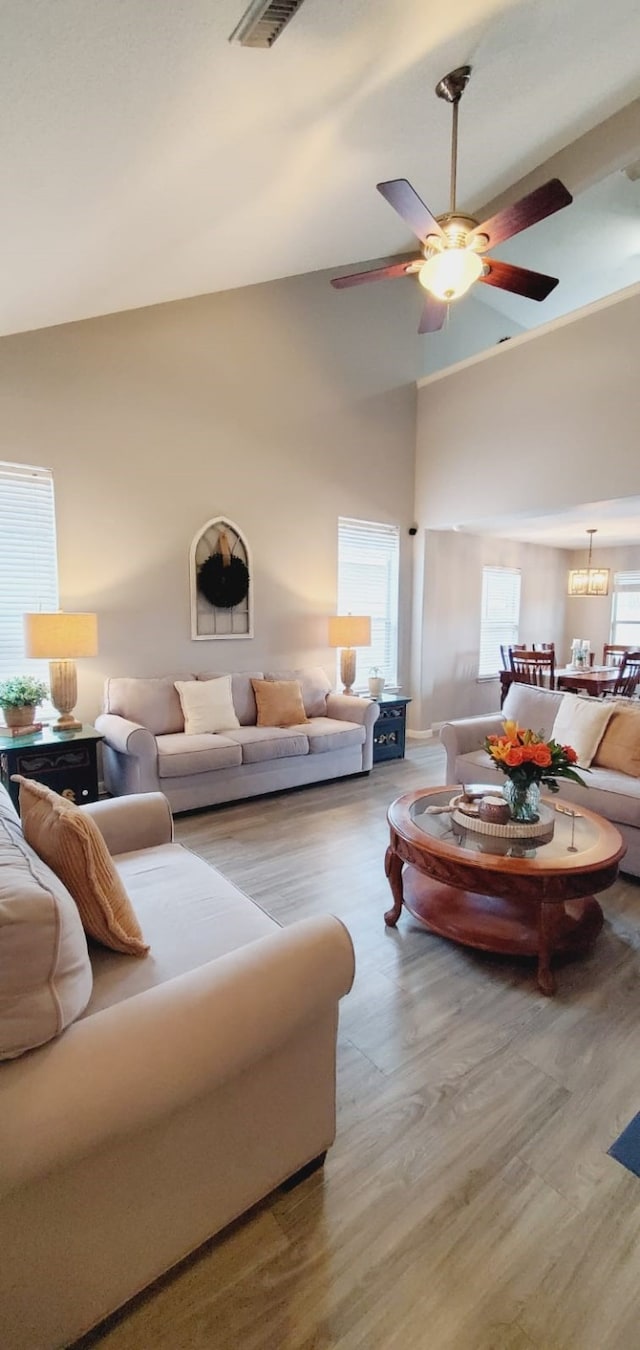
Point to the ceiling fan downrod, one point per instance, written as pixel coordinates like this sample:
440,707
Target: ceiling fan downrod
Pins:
451,88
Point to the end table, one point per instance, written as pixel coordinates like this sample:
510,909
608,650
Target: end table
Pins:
64,760
390,729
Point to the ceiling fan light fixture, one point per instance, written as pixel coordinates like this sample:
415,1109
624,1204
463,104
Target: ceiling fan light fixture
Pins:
450,274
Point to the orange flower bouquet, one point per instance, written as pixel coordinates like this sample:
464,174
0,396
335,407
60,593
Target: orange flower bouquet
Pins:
528,760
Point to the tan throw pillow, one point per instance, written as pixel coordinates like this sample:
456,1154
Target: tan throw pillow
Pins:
70,843
581,722
620,746
279,703
207,705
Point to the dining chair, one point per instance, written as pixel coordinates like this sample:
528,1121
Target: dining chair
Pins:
629,676
533,667
504,653
613,652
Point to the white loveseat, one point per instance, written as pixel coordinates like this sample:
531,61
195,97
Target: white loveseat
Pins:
197,1079
614,795
146,748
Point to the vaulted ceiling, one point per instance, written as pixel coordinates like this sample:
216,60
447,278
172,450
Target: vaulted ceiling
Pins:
145,158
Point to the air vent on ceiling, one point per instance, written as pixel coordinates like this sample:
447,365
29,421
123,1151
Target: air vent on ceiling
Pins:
263,22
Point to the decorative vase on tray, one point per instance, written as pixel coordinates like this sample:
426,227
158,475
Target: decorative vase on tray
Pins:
528,760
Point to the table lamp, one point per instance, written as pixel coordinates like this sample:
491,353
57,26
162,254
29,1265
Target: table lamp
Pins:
60,638
349,631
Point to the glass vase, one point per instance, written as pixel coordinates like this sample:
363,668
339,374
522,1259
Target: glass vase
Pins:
523,799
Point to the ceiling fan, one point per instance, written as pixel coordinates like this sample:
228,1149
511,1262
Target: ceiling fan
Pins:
454,246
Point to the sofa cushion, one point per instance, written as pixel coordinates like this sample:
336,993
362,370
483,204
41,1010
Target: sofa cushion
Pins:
190,913
181,754
154,703
581,722
45,971
69,841
619,748
258,744
244,699
315,686
207,705
325,733
279,703
532,708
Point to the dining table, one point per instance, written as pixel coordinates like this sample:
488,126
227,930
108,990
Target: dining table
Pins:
594,680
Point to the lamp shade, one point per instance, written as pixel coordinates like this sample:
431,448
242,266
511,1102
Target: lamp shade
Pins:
60,637
349,630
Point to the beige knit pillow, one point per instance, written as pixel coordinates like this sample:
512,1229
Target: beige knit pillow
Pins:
69,841
279,703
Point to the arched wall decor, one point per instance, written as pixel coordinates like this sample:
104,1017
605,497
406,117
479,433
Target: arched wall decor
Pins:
209,621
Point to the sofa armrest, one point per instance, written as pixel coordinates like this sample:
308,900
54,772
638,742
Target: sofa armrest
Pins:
129,755
128,738
120,1070
142,820
459,738
349,708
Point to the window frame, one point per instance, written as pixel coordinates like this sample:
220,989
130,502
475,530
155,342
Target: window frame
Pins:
627,582
360,596
28,562
505,631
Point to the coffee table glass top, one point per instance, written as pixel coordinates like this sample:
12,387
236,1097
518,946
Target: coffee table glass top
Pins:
574,832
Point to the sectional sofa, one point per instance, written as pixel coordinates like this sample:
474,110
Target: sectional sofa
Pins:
611,793
187,1084
146,748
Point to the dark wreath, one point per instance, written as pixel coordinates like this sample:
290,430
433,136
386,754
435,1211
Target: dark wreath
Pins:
224,583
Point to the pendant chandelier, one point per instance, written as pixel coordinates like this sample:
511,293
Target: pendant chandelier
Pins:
589,580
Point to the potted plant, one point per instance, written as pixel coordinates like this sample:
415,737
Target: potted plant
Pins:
19,698
376,681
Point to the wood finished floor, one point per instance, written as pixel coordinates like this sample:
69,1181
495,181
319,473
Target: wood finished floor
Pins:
468,1202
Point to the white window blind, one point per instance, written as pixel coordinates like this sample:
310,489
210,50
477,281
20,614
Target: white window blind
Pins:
28,563
500,615
625,609
368,557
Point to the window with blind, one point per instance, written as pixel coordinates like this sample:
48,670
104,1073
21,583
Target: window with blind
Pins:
368,559
28,562
500,615
625,609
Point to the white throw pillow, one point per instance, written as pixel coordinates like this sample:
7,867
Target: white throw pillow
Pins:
207,705
581,722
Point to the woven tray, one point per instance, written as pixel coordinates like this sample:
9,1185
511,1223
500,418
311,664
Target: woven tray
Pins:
514,829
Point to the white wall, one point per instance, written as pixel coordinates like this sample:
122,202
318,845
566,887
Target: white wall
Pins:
539,424
447,636
281,406
470,327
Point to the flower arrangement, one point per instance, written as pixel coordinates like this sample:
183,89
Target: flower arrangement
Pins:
528,760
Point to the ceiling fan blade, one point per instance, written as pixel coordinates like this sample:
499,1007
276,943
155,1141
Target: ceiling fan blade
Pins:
405,200
537,205
433,315
397,269
519,280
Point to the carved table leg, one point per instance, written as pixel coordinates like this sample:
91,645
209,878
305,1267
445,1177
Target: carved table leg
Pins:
393,871
546,929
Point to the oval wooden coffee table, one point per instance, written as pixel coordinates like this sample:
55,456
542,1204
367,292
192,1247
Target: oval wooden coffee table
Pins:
520,897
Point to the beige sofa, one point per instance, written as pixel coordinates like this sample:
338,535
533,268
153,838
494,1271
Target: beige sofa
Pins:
198,1079
616,796
146,749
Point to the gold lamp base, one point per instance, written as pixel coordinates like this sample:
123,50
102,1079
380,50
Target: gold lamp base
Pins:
348,668
63,681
